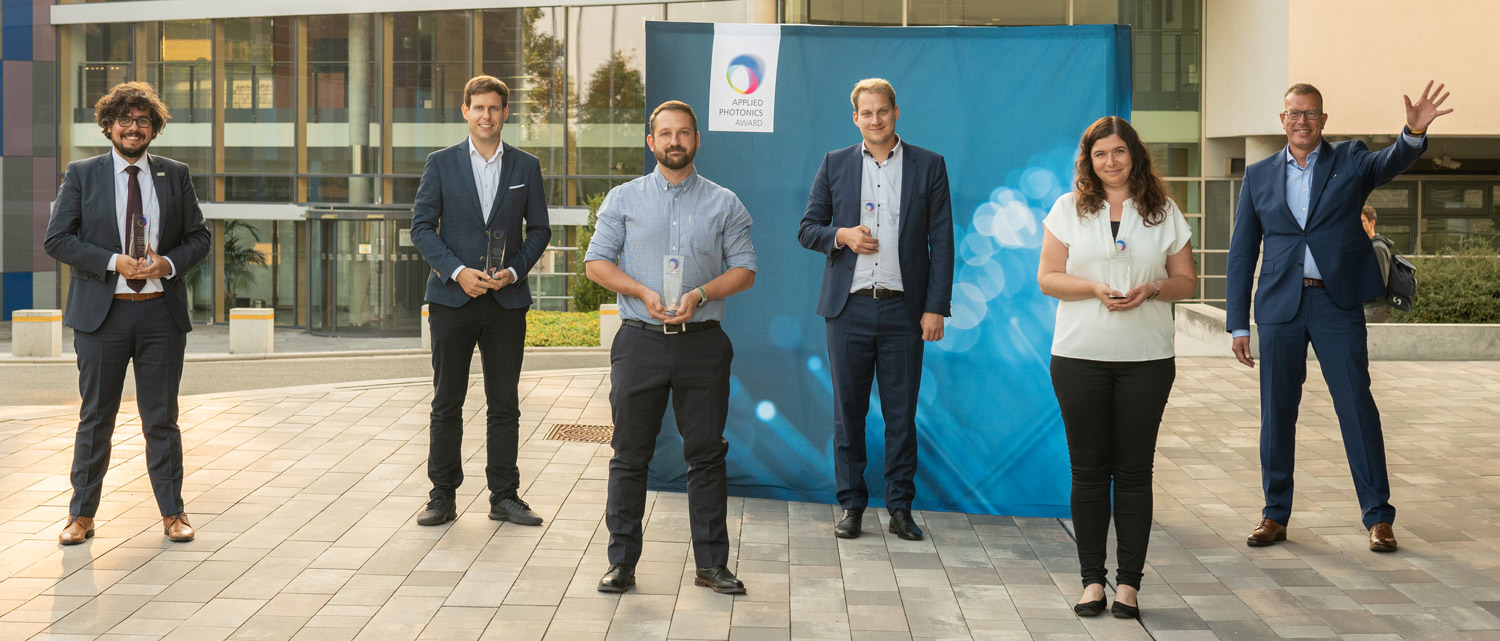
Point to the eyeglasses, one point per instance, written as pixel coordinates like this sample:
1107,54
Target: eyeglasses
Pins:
125,121
1310,114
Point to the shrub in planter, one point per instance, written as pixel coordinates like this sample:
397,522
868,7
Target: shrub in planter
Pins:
1459,285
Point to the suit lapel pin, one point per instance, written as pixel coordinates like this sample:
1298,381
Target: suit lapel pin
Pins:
161,173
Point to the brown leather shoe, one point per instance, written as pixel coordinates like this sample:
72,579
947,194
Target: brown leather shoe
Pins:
1268,532
78,530
1382,539
177,528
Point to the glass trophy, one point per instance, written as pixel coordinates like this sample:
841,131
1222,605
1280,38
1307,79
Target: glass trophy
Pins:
141,244
1119,267
494,255
671,282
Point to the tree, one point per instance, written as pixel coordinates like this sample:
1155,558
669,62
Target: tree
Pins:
588,295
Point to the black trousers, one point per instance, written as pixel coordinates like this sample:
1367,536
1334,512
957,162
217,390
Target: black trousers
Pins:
1112,411
142,333
500,334
875,341
693,370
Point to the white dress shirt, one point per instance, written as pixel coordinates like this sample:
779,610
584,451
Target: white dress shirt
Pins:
487,181
880,210
150,207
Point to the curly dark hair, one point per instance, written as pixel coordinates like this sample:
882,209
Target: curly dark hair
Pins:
127,96
1147,188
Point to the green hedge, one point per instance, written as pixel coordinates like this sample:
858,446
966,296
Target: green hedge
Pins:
562,329
1460,285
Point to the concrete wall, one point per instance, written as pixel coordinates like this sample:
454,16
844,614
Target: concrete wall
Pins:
1200,332
1244,65
1364,54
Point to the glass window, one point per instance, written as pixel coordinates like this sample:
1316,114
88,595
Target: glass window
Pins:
98,58
1096,11
432,65
432,59
609,83
179,62
968,13
523,48
261,255
343,129
850,12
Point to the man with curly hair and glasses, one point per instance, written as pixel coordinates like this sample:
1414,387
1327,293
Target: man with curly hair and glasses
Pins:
128,225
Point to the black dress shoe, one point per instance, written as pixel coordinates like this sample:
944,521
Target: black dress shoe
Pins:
849,526
513,509
618,579
1122,611
437,512
904,527
720,579
1089,608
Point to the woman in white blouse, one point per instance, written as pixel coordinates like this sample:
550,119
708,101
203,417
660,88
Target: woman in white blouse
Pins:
1116,251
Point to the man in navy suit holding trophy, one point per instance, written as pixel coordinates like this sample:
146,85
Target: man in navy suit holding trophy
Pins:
475,199
880,211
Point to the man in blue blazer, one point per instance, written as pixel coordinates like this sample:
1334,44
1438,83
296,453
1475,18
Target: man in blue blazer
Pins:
475,197
128,224
1299,214
880,211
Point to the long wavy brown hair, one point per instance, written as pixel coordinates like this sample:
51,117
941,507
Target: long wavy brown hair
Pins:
1147,188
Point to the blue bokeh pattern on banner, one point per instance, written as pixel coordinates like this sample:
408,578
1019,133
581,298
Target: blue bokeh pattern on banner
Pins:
1006,107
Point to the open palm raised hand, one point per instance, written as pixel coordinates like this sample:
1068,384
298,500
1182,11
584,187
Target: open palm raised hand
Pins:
1421,114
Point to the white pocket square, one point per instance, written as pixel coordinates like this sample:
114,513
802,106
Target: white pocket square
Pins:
518,186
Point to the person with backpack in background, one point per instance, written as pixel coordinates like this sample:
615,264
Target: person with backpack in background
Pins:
1377,310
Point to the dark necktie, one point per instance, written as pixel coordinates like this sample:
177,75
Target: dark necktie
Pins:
135,225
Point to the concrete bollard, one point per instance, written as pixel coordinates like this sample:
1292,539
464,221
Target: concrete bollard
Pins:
252,330
36,332
426,331
609,324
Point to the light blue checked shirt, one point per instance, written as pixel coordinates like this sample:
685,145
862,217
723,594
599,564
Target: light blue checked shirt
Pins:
643,221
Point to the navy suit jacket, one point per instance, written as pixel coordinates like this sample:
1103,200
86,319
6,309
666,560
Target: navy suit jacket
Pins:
926,247
448,227
1343,178
84,233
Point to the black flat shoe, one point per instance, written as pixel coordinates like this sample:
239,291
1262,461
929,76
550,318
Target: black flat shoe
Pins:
1122,611
513,509
904,527
849,526
618,579
437,512
1089,608
719,579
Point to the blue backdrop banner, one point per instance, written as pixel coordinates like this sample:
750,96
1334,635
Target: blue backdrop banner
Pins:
1006,107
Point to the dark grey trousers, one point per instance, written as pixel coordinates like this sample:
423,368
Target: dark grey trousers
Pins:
139,332
646,368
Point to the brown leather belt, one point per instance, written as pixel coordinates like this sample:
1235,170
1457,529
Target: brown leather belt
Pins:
876,292
1312,282
137,297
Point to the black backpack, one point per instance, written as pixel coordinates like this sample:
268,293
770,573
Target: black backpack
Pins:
1400,283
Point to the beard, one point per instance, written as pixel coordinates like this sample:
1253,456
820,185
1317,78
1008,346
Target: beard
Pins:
667,160
131,154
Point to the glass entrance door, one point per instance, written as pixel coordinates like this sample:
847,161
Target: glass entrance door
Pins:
368,279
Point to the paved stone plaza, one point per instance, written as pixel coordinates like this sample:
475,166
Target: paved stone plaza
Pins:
304,500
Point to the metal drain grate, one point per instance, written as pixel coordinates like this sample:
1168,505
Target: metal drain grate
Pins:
582,433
